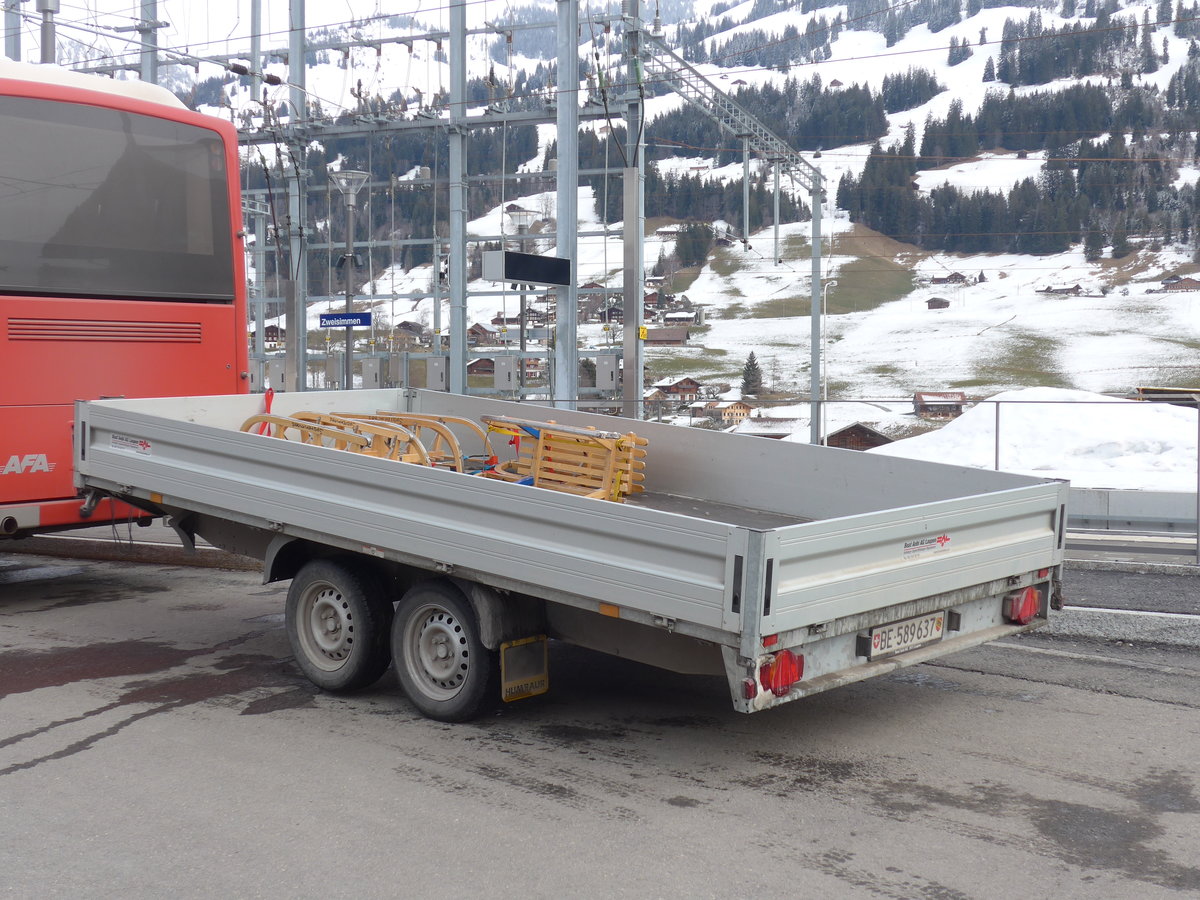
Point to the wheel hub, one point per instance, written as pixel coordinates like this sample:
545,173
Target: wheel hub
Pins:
331,625
441,648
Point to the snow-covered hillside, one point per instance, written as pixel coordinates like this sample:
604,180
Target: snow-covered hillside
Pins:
994,333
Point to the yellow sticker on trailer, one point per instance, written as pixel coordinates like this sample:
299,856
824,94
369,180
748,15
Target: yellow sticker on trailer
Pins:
524,668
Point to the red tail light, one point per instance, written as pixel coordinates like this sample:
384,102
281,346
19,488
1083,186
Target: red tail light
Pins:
1022,607
784,670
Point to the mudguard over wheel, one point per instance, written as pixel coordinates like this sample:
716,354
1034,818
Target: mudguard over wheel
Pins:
338,621
444,668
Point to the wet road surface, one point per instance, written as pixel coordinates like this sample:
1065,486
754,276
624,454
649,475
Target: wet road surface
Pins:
156,737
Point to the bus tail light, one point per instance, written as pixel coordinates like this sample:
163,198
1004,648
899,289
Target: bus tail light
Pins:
783,670
1022,607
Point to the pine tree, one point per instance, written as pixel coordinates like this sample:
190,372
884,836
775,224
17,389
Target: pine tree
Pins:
1120,242
1149,57
752,379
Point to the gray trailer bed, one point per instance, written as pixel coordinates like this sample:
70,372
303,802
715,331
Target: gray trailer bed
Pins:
735,538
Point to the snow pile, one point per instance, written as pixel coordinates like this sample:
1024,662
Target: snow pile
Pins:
1092,440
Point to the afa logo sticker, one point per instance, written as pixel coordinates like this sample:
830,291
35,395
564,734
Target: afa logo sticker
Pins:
27,464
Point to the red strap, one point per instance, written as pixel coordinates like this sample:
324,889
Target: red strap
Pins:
268,396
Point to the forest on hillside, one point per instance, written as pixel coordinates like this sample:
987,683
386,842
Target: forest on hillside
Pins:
1113,145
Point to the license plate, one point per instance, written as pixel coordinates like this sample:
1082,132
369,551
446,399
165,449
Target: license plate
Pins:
897,637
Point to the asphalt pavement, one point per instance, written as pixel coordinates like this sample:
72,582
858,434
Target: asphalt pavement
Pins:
156,739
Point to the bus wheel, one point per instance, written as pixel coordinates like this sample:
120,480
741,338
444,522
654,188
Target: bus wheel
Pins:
445,670
337,622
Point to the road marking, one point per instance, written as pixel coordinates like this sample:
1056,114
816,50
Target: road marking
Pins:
1132,537
1095,657
1191,617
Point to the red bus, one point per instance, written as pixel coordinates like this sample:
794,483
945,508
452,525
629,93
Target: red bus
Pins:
121,270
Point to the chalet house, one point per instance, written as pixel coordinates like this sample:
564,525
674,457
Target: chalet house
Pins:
667,337
702,409
481,367
272,334
410,334
1182,284
501,318
668,231
613,313
937,303
598,291
857,437
1072,291
952,278
479,333
734,411
684,389
654,401
680,317
939,404
416,329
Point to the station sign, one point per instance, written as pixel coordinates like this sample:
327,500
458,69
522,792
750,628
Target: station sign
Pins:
346,320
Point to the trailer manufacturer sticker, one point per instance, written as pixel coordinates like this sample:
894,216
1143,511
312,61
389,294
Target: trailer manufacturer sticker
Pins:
922,546
129,444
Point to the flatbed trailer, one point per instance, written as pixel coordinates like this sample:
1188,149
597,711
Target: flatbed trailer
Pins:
785,567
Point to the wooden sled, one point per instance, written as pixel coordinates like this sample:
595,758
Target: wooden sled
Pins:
386,440
606,465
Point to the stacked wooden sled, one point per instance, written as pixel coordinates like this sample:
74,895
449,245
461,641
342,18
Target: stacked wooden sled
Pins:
606,465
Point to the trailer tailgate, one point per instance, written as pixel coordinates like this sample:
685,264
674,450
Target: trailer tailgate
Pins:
826,570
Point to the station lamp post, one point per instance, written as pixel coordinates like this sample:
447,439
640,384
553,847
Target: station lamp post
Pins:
824,361
522,218
349,182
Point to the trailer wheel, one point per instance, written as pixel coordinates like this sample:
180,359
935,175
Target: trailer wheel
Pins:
444,668
338,621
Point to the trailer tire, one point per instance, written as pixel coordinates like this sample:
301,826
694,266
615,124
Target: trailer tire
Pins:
443,666
338,620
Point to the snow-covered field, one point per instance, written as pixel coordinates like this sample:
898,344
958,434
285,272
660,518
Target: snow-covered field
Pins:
994,337
1092,440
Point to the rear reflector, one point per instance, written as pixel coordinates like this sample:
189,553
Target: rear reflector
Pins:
1022,607
784,670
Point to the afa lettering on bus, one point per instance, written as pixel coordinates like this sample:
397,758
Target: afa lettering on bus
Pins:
27,464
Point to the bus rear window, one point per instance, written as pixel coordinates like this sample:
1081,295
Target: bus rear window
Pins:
98,202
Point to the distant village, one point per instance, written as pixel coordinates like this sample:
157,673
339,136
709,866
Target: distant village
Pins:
701,402
669,319
1169,285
